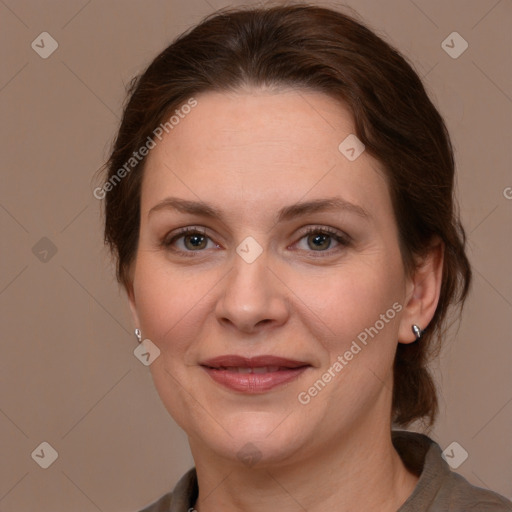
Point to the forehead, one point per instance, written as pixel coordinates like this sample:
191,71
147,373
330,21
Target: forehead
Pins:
288,122
262,147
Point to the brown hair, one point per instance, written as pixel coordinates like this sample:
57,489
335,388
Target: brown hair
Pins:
320,49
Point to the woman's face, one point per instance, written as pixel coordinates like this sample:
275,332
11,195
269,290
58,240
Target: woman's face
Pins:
291,251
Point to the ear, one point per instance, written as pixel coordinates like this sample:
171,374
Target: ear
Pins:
133,307
422,294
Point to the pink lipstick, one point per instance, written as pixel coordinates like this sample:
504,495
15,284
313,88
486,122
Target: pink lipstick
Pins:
255,374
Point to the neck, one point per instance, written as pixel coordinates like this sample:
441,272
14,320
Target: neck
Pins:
361,471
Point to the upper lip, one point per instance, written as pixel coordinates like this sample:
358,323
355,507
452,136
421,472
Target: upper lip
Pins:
231,361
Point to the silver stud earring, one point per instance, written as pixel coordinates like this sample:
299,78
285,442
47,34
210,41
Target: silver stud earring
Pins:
138,335
417,331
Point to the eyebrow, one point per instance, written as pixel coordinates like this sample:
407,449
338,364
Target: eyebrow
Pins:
287,213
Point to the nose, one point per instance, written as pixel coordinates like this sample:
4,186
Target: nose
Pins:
253,298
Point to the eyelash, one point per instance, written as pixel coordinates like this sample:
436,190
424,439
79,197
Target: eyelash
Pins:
343,240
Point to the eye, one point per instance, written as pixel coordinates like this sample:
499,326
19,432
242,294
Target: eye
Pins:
321,239
190,239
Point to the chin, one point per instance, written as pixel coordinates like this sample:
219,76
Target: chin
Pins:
257,454
256,439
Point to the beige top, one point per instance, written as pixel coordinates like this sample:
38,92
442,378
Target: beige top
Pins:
438,489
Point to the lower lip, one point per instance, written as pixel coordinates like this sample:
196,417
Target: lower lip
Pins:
254,382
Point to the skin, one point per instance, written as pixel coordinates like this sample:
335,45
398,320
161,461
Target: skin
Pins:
250,153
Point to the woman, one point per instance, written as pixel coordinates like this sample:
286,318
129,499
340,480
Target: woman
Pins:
280,202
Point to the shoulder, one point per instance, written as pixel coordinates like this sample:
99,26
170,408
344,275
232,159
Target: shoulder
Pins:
163,504
439,489
459,495
181,498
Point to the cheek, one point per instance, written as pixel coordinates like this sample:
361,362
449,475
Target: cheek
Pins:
167,301
351,300
169,305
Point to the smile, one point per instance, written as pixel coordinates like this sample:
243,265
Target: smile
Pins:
253,375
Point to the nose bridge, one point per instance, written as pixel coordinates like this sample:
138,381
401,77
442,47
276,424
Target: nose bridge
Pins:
252,294
249,281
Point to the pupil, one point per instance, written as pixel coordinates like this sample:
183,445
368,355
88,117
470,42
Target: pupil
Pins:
320,240
196,241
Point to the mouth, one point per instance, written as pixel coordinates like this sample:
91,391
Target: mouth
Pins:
253,375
